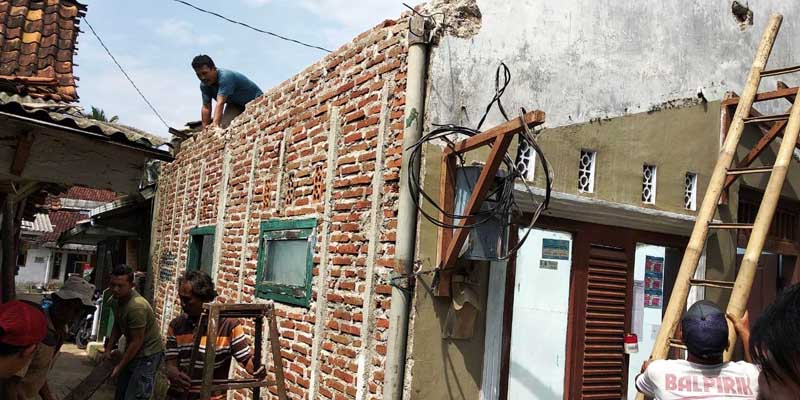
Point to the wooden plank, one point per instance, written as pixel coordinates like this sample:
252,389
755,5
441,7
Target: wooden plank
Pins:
8,237
259,322
776,94
755,152
223,307
512,127
447,185
96,378
277,358
22,153
485,180
211,352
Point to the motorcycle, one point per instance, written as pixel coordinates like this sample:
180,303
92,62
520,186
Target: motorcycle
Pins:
84,329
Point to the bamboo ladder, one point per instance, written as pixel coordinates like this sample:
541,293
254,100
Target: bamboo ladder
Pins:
760,227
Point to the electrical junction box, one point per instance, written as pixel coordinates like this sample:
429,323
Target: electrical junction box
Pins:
487,241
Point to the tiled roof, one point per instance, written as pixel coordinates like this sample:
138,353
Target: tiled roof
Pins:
37,39
84,193
63,221
70,116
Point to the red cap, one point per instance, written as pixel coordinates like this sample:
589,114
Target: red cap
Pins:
21,324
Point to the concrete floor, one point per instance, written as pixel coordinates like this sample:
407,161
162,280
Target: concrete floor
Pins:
72,366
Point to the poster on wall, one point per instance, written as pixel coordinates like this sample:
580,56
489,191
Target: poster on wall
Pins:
637,326
654,282
555,249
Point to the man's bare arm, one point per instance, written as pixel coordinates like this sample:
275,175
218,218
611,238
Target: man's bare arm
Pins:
132,347
205,115
221,100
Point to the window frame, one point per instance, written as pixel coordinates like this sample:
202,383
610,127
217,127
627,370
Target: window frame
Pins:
271,229
194,248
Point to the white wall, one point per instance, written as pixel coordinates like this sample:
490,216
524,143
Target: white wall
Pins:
584,59
35,272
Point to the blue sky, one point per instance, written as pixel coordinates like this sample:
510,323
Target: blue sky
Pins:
155,41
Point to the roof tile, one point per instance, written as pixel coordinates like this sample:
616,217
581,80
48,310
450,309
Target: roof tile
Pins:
37,39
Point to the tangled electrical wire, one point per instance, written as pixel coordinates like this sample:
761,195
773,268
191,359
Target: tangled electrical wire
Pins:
503,206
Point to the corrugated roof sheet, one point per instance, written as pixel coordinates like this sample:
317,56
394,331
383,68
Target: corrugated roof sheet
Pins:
37,45
63,221
71,116
40,223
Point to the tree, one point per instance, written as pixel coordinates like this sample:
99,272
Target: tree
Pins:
99,115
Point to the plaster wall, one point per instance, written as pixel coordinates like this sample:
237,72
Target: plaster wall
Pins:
35,272
580,60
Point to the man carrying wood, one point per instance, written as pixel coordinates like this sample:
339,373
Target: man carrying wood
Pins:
144,351
194,289
230,89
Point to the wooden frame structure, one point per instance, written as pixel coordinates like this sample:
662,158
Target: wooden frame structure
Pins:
499,138
212,312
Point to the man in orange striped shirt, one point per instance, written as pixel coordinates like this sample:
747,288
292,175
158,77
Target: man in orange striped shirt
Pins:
194,289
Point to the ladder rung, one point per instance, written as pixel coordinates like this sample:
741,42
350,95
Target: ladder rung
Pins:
724,225
780,71
677,344
749,170
766,118
711,283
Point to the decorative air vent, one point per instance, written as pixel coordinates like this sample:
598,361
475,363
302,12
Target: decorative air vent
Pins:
586,171
649,184
690,191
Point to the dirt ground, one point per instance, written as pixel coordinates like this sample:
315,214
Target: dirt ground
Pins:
72,366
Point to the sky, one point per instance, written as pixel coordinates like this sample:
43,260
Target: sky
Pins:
155,41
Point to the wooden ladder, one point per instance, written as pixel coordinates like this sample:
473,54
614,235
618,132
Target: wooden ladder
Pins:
723,172
209,323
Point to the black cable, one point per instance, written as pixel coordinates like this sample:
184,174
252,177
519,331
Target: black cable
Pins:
125,73
503,205
252,27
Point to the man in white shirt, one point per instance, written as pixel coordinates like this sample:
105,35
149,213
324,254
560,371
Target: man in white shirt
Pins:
703,375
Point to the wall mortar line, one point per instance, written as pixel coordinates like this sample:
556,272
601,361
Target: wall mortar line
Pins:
222,203
373,233
246,233
322,302
281,168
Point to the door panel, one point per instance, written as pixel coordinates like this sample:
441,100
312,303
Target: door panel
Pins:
604,365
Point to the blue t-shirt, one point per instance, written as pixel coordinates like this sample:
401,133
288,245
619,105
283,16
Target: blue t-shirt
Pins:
236,87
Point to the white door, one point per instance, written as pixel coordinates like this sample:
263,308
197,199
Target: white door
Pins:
539,325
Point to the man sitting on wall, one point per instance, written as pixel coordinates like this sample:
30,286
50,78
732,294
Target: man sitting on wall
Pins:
194,289
230,89
703,374
776,348
22,327
71,302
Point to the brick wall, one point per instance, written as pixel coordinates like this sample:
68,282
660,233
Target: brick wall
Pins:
335,348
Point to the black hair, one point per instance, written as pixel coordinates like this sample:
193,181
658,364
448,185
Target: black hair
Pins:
202,285
202,60
123,270
775,340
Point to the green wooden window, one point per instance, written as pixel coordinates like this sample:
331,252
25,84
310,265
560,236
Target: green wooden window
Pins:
285,260
201,249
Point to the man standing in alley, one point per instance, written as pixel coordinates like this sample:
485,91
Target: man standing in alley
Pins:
144,351
194,289
71,302
703,374
230,89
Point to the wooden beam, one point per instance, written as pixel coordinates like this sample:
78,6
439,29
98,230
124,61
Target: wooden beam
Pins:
763,143
502,140
512,127
8,239
776,94
22,153
446,199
